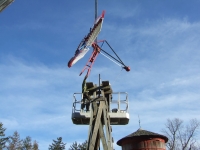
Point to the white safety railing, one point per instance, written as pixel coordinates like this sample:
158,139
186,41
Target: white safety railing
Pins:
118,102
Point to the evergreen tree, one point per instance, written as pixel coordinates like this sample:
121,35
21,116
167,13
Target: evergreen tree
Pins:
83,146
3,139
76,146
57,144
27,145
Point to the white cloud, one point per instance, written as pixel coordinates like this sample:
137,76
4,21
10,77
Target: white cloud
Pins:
34,89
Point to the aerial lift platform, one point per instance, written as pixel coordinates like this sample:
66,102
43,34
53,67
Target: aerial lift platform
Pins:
117,102
106,108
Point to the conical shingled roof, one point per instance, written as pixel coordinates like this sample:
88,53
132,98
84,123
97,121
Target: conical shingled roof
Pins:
143,133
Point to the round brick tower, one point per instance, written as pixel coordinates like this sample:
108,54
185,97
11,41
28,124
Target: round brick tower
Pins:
143,140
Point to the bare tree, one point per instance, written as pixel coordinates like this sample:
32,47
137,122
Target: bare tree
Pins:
35,146
180,136
171,131
15,143
187,134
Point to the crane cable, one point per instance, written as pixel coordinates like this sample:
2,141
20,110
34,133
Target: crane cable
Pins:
117,60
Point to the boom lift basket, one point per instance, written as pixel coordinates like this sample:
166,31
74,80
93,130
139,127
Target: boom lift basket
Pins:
118,110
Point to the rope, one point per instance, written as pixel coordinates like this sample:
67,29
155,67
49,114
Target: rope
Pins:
110,59
117,76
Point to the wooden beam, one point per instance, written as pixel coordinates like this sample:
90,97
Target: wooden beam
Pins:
100,120
96,127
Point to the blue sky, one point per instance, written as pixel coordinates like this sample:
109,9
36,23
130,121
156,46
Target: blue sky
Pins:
159,40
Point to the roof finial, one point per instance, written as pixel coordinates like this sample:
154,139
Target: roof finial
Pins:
139,121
